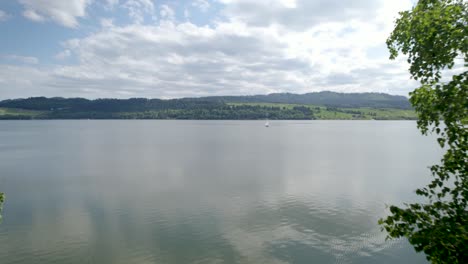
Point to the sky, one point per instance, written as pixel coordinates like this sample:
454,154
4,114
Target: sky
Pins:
171,49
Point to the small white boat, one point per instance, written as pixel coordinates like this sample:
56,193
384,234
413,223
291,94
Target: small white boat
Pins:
267,124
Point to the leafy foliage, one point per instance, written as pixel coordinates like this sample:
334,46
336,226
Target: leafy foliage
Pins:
434,34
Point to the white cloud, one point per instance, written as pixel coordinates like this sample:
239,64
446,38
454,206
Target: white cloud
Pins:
138,9
111,3
13,87
32,15
299,14
167,13
3,15
333,45
63,55
289,3
65,13
107,22
21,59
203,5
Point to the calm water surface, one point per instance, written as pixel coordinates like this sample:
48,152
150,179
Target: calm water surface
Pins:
207,191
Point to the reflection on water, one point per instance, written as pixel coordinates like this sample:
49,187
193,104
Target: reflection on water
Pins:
206,191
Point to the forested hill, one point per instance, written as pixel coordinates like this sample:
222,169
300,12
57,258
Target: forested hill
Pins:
106,105
323,105
328,99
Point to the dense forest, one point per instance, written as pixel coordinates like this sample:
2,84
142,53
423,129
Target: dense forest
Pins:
322,105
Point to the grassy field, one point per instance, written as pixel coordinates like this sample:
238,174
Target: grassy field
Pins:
325,113
19,112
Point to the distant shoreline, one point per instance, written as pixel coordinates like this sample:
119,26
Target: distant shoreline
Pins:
2,118
206,120
312,106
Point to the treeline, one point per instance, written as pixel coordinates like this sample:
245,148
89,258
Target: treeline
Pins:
330,99
195,108
220,112
106,105
228,112
325,98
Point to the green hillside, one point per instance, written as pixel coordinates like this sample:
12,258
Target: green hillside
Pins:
329,105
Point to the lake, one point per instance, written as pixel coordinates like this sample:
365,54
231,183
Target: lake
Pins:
152,191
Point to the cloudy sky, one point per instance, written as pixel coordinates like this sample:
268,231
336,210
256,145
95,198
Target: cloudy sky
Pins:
169,48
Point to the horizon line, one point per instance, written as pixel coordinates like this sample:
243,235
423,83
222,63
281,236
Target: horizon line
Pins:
201,97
